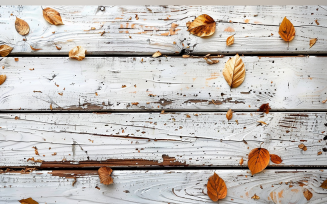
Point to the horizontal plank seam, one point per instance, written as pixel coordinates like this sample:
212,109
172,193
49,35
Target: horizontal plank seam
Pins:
166,111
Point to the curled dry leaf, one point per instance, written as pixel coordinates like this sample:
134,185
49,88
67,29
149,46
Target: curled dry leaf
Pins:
5,50
276,159
104,174
286,30
258,160
78,53
229,114
52,16
234,71
307,194
324,184
21,26
230,40
264,108
156,54
202,26
216,188
34,48
255,197
313,41
2,79
28,201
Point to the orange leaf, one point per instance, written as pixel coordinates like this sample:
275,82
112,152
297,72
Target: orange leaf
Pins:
52,16
216,188
307,194
258,160
264,108
28,201
202,26
2,79
313,41
104,174
230,40
34,48
241,161
324,185
229,114
255,197
21,26
5,50
275,158
286,30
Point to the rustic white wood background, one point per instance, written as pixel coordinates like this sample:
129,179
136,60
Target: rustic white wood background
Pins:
59,105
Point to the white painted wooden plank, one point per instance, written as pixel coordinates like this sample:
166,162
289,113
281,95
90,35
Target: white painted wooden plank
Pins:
180,186
255,28
120,83
153,139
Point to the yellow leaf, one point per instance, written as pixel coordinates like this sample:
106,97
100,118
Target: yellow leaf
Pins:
286,30
216,188
2,79
78,53
202,26
5,50
230,40
313,41
156,54
234,71
21,26
258,160
229,114
52,16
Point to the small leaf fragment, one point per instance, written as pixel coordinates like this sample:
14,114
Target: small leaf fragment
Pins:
21,26
276,159
34,48
5,50
28,201
313,41
258,160
303,147
216,188
52,16
317,22
2,79
234,71
229,114
202,26
286,30
156,54
255,197
241,161
230,40
324,184
264,108
78,53
104,175
307,194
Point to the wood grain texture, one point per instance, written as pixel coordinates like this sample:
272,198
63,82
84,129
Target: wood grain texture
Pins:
127,83
144,30
153,139
180,186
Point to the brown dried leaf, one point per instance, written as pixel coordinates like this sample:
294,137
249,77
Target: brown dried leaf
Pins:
2,79
156,54
21,26
58,48
230,40
34,48
286,30
78,53
216,188
36,151
303,147
317,22
307,194
262,122
258,160
229,114
324,184
104,174
313,41
264,108
5,50
255,197
241,161
276,159
28,201
234,72
52,16
202,26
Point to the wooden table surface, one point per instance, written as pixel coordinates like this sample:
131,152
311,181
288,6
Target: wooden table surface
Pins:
106,109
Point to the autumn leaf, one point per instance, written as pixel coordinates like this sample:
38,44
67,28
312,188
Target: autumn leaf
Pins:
21,26
258,160
307,194
234,72
255,197
303,147
34,48
156,54
313,41
78,53
216,188
324,184
230,40
264,108
5,50
229,114
104,174
28,201
2,79
276,159
286,30
241,161
52,16
202,26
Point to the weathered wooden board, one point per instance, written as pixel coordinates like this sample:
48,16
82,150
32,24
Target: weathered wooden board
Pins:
154,139
181,186
120,83
146,29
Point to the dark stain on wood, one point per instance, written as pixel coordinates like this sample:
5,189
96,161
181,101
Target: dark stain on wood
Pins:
164,102
73,173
